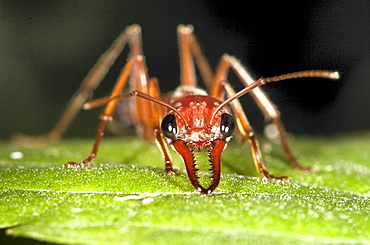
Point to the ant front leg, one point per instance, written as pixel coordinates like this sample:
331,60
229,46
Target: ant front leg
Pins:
137,64
263,102
247,132
149,110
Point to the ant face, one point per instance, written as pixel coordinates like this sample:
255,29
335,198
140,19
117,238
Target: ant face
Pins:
198,134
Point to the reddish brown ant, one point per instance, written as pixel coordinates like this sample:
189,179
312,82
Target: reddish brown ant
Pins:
189,119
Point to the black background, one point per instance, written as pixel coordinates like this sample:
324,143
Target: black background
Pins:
47,47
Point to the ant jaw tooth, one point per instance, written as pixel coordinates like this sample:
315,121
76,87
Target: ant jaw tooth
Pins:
202,173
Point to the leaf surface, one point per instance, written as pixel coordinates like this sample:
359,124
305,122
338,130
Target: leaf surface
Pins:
124,196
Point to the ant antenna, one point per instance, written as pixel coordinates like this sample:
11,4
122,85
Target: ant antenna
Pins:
102,101
261,81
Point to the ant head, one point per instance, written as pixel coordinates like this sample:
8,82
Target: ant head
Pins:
191,122
189,131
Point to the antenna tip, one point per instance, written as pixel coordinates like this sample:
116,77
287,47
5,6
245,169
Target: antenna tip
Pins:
335,75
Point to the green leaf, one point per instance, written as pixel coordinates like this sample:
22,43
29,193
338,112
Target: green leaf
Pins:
124,196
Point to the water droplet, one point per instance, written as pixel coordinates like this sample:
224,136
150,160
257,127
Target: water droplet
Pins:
16,155
271,131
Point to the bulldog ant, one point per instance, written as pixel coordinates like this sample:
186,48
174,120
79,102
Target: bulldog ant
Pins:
189,119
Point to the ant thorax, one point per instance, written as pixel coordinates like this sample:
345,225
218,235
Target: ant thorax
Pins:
183,91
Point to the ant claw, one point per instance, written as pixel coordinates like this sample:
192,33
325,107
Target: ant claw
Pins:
283,178
273,177
170,172
75,164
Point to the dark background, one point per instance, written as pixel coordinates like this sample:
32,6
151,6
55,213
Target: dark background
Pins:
47,47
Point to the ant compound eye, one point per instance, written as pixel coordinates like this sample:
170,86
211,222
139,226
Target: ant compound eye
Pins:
227,125
169,126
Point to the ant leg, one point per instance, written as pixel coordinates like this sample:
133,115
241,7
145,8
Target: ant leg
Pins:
88,85
187,69
263,102
189,47
152,123
163,147
247,132
109,109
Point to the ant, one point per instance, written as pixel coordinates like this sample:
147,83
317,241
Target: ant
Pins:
189,119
